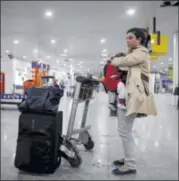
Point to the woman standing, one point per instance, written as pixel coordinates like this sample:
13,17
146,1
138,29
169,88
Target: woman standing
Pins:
139,100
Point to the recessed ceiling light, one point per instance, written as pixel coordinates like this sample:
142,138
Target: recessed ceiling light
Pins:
70,59
130,11
24,57
166,69
7,51
53,41
104,50
57,61
104,54
48,57
63,55
156,144
35,51
16,41
161,63
154,66
65,50
170,59
48,13
103,40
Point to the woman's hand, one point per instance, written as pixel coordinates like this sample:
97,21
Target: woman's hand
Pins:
118,55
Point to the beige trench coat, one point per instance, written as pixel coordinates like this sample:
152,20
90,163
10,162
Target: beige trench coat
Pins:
139,99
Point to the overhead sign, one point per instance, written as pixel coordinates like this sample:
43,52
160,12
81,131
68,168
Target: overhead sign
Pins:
159,45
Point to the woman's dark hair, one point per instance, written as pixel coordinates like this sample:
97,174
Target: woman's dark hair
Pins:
139,33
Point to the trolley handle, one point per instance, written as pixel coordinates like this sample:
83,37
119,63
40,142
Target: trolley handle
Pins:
86,80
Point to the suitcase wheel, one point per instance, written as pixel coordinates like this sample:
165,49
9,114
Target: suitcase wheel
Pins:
75,162
89,145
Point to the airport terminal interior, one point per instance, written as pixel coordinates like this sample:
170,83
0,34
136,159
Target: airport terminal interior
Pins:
54,43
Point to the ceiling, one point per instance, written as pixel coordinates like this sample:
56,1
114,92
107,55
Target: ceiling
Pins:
78,27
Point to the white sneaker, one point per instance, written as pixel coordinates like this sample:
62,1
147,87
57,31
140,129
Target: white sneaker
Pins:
122,106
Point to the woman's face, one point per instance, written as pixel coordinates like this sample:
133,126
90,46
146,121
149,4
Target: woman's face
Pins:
132,40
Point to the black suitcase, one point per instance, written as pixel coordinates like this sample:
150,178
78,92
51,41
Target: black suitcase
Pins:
38,143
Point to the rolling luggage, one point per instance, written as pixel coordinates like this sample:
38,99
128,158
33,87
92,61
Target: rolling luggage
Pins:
40,132
38,143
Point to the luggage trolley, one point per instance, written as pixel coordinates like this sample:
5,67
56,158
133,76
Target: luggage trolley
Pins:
84,92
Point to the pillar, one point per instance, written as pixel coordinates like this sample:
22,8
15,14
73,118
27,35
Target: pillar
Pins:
175,65
7,68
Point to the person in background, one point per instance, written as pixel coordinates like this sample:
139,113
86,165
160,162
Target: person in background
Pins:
56,84
139,100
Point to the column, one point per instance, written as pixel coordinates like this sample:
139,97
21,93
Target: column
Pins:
7,68
175,65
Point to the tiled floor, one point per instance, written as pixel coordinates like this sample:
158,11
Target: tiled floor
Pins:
156,139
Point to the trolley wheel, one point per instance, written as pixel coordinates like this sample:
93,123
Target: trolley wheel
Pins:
75,162
89,145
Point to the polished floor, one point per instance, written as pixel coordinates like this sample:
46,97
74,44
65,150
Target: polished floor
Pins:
156,139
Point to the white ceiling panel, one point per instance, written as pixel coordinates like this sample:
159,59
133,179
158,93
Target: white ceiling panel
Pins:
78,27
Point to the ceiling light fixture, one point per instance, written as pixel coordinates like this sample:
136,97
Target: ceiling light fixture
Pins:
7,51
103,40
170,59
130,12
65,50
156,143
161,63
154,66
24,57
35,51
104,50
16,42
48,13
48,57
63,55
53,41
104,54
57,61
